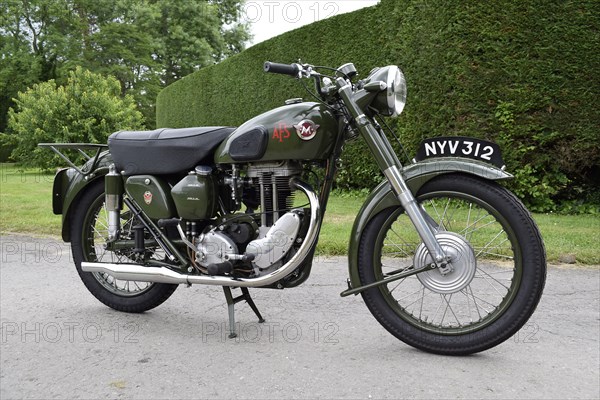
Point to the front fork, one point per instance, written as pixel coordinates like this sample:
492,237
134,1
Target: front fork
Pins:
390,165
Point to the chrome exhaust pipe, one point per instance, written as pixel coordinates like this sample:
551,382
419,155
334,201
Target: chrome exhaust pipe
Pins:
135,272
138,272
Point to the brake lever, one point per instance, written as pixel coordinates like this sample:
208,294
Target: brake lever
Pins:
318,83
307,71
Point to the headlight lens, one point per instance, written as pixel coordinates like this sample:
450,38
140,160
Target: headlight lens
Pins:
396,91
391,101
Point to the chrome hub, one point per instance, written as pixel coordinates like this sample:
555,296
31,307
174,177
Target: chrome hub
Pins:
462,264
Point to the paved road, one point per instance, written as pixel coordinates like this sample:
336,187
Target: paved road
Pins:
57,341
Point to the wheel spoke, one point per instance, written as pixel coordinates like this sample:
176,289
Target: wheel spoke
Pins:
450,307
436,312
496,255
468,306
408,295
97,232
439,217
469,213
504,271
102,256
491,241
402,240
446,227
443,297
394,253
468,234
451,216
415,301
465,232
495,280
469,288
399,283
103,225
486,302
422,301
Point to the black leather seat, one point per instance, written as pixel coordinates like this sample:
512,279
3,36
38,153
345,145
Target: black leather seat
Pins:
164,151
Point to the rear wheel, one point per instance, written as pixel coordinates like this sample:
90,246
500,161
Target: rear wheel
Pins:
89,230
498,268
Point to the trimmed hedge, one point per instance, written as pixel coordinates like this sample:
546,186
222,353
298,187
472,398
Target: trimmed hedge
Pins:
237,88
521,73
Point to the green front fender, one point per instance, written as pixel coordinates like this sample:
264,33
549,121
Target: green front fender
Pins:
416,175
69,185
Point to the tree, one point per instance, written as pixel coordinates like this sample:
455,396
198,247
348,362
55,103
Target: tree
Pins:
86,109
145,44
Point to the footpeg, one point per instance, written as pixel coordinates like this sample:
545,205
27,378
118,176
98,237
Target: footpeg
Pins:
220,268
164,223
138,235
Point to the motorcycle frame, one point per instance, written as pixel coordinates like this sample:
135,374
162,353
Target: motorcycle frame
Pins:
170,246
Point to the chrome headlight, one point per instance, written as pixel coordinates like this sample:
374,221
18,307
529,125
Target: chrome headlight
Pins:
396,90
391,101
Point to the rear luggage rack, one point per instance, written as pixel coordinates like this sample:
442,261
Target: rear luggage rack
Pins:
80,147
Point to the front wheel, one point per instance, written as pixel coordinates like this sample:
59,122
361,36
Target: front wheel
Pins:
497,259
89,231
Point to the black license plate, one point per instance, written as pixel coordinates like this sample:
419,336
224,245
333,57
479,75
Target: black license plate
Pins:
459,146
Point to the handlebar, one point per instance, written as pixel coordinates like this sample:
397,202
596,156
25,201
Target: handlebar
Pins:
285,69
325,93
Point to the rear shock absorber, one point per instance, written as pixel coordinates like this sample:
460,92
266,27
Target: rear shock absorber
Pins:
113,187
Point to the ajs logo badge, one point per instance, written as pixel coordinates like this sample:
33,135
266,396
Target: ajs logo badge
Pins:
306,129
148,197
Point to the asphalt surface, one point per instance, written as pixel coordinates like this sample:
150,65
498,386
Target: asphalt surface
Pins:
58,341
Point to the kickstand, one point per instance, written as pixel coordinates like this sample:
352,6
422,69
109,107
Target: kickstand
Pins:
230,303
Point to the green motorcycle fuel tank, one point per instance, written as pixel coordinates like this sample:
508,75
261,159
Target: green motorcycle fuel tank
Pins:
300,131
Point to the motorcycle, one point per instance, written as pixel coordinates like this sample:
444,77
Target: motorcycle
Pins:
445,258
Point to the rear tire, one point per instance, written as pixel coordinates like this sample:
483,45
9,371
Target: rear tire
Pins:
87,234
493,296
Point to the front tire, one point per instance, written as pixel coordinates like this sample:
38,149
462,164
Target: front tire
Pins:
498,276
88,232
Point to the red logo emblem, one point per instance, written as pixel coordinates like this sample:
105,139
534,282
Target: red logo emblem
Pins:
306,129
148,197
281,133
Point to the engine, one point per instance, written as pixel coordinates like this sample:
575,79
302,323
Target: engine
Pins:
273,183
258,240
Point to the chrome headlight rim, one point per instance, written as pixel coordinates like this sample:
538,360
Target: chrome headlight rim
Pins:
396,90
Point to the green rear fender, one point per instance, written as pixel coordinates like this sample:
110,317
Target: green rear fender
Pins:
69,185
416,175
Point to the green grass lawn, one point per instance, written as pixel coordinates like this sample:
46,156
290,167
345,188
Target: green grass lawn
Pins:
26,207
26,202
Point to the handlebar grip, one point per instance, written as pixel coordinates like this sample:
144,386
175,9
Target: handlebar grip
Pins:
285,69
